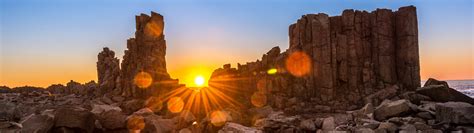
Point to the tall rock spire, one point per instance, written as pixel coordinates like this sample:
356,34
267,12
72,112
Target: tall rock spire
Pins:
144,61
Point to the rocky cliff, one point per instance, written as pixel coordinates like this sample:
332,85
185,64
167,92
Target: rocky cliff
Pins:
143,69
336,61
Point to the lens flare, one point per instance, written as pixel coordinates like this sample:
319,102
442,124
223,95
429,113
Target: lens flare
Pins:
262,85
175,104
218,118
154,103
135,123
298,63
143,80
258,99
154,29
272,71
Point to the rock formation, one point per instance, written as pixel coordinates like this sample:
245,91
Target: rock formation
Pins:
336,61
143,70
108,70
146,53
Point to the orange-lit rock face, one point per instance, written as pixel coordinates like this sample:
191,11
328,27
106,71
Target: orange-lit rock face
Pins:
298,64
175,104
258,99
154,28
135,123
154,103
218,118
143,80
262,85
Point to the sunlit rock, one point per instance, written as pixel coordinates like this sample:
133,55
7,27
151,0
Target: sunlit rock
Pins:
146,54
175,104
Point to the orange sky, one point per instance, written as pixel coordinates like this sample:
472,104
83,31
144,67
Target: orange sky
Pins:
441,66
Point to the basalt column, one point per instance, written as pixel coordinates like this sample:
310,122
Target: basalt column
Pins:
407,56
352,56
145,57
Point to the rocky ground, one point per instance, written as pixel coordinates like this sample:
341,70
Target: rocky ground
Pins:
431,109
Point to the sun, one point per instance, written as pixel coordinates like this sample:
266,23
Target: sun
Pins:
199,81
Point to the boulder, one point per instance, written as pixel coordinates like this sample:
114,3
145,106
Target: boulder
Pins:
231,127
455,112
390,109
276,120
131,106
308,125
143,112
7,111
466,129
383,94
387,126
135,123
112,119
432,81
64,130
364,130
185,116
367,109
407,128
328,124
98,109
41,123
425,115
260,112
156,124
9,126
442,93
74,117
414,97
117,98
431,131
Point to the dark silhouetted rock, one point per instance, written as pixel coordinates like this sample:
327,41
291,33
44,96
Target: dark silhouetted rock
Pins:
341,61
455,112
74,117
432,81
38,124
414,97
230,127
391,109
156,124
146,53
108,71
112,119
441,93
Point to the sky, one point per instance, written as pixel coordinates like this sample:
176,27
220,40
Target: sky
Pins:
44,42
